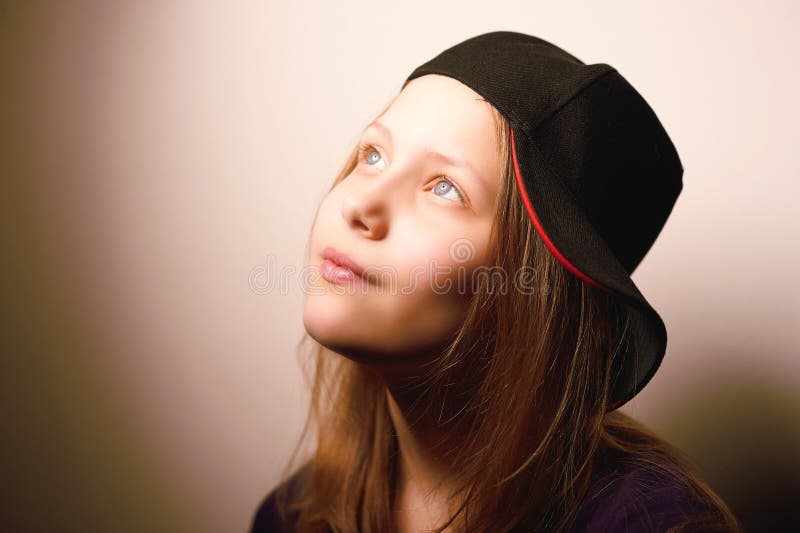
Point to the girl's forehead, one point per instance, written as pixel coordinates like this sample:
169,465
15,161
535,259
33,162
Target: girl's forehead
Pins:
443,97
441,112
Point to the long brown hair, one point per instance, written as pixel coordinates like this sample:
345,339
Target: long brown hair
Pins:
522,388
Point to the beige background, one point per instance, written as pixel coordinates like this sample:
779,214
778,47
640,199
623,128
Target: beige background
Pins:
157,155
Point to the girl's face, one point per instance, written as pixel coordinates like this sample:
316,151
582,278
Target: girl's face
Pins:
417,222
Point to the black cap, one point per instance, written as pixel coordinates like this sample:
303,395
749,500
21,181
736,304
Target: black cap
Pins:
595,168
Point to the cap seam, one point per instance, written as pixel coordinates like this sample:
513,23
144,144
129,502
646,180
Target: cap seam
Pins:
569,99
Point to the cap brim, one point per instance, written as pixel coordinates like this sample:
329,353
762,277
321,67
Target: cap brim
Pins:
564,227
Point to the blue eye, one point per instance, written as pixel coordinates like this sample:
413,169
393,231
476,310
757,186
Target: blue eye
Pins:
446,186
366,151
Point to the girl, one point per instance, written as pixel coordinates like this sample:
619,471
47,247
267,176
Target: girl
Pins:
474,325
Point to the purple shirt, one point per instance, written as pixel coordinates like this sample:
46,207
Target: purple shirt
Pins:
639,501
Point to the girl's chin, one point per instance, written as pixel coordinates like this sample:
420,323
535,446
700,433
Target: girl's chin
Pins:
331,329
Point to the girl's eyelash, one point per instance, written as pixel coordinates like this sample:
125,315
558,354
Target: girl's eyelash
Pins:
364,148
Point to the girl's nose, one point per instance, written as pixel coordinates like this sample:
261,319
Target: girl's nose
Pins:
366,212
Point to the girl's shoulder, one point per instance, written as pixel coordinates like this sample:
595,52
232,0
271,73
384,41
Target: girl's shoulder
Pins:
272,514
638,497
623,497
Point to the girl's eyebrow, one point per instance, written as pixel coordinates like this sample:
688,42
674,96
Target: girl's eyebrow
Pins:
472,172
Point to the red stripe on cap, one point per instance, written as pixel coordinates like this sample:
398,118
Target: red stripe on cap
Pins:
572,268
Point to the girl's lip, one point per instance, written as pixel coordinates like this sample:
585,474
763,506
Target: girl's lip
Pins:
339,274
330,253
